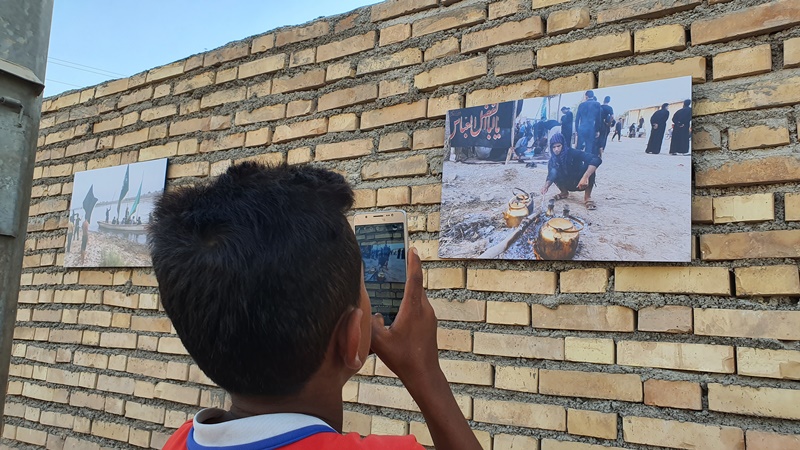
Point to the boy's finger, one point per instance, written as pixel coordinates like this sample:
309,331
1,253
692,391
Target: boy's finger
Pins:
379,332
413,290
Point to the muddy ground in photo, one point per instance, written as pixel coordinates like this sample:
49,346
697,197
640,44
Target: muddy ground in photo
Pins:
108,250
643,206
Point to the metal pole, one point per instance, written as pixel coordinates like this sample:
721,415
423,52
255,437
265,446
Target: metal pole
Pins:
24,40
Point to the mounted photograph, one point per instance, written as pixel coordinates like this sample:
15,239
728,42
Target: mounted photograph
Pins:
109,212
596,175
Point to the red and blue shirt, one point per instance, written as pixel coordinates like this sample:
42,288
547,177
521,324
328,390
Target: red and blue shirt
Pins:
275,431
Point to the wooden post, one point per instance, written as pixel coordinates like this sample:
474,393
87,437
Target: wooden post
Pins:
513,127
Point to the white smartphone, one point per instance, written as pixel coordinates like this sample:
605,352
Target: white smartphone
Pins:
383,240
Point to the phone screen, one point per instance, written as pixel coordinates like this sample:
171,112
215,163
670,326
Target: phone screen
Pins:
383,251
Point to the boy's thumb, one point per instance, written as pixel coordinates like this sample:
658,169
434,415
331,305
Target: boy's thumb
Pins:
379,331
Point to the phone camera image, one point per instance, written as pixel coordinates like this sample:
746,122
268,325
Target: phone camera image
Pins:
383,252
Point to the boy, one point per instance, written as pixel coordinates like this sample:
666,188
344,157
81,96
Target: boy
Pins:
262,277
571,170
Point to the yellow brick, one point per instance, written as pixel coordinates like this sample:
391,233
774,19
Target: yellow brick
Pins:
598,351
781,364
455,340
467,372
121,300
774,133
767,280
106,125
760,19
670,433
300,82
760,440
303,57
398,397
147,413
299,34
459,311
792,207
529,415
177,393
221,97
393,168
666,319
567,20
592,423
504,34
753,92
196,82
522,379
764,244
422,434
791,53
31,436
744,62
112,87
270,64
440,49
393,114
781,325
525,89
346,97
258,138
394,34
345,47
518,346
673,394
158,151
171,346
513,63
263,114
678,280
339,71
598,47
118,340
693,67
589,281
702,209
446,278
623,387
394,142
438,107
391,427
454,18
426,194
664,37
669,355
388,10
235,140
583,317
763,402
225,54
132,138
646,8
507,313
707,138
297,130
117,432
391,88
504,8
137,96
526,282
393,196
343,122
353,422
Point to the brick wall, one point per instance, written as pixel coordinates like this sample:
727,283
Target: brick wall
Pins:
565,356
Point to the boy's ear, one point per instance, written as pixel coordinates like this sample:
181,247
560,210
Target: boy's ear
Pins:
350,339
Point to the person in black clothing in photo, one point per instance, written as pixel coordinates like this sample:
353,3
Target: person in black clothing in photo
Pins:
566,124
587,123
606,122
681,134
617,131
658,122
571,170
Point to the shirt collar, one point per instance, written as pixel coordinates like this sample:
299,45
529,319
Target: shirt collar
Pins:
264,431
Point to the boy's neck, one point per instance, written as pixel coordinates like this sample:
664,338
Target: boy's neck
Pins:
321,402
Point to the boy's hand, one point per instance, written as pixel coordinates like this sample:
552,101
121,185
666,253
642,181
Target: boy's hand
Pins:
408,347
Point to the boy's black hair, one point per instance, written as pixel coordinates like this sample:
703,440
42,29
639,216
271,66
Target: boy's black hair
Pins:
255,269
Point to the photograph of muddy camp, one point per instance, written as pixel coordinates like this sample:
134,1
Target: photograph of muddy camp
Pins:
599,175
109,212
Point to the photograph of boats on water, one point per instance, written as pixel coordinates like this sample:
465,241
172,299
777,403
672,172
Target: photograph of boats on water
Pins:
595,175
109,212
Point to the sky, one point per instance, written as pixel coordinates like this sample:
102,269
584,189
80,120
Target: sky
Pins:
623,98
92,41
